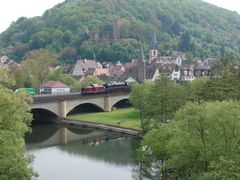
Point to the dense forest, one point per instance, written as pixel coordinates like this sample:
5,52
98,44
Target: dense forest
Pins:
111,30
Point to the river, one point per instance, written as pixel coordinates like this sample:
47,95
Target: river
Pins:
73,153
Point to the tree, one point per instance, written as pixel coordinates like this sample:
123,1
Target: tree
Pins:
18,75
14,121
153,152
201,143
89,80
6,79
57,75
225,86
165,98
185,43
68,54
37,64
206,141
198,89
138,98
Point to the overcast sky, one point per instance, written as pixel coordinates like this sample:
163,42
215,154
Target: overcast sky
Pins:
11,10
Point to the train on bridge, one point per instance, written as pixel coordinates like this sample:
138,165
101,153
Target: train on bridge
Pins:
110,87
93,89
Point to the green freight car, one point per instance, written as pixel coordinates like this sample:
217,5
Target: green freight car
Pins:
30,91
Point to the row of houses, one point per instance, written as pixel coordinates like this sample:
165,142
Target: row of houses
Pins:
139,69
131,72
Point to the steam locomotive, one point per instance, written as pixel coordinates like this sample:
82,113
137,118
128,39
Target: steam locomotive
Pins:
109,87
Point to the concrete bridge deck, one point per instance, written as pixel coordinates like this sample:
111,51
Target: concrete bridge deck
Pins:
62,104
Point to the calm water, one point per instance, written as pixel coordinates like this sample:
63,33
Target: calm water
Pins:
71,153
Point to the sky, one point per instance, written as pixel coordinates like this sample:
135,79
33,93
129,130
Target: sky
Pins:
11,10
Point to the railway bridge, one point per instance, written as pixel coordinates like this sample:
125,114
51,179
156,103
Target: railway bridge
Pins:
63,104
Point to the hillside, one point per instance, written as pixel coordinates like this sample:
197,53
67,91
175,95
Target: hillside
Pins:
81,28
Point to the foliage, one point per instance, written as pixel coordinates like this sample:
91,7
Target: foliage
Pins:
153,151
36,66
224,85
157,102
14,122
6,80
206,135
139,98
57,75
198,89
76,29
185,44
89,80
201,143
165,98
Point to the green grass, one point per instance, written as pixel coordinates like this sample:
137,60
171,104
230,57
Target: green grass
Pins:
128,118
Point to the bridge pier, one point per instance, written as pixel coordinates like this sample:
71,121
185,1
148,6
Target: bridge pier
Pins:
107,104
62,109
63,136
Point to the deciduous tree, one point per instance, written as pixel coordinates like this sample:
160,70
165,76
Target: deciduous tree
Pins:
139,99
89,80
14,121
37,65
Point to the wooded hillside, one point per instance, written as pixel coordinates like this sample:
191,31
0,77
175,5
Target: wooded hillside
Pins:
84,29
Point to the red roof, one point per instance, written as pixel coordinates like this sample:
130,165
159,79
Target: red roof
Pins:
100,72
53,84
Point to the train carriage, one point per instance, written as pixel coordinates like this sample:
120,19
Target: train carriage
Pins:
109,87
93,89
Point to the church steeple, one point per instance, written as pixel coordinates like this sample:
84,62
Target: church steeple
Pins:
141,54
154,41
141,66
153,48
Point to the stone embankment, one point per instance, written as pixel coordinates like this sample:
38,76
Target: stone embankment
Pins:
117,129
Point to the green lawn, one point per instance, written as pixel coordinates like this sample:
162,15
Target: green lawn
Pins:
128,118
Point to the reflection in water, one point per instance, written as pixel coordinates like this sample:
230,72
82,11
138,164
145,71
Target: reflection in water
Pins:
75,153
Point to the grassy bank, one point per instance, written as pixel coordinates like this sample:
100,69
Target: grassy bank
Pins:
128,118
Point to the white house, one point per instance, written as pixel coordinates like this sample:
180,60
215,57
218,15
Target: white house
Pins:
85,66
175,74
54,87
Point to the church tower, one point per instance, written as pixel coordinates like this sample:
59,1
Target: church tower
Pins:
141,66
153,48
116,23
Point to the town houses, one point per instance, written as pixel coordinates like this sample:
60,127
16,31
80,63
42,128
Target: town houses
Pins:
141,69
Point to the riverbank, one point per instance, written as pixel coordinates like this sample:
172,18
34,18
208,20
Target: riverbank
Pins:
125,121
111,128
125,118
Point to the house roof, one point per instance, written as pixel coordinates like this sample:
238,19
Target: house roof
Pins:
53,84
104,71
117,70
87,64
111,78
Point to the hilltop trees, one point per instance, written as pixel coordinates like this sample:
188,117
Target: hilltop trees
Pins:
75,29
